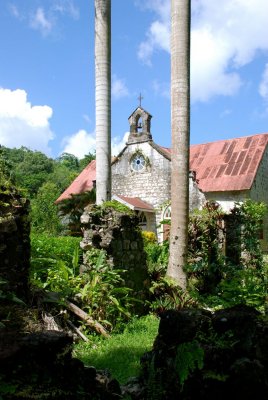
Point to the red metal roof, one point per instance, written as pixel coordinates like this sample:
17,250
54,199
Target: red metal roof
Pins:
225,165
82,183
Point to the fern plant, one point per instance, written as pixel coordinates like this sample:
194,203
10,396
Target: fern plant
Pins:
189,357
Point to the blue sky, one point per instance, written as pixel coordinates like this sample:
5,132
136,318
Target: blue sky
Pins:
47,83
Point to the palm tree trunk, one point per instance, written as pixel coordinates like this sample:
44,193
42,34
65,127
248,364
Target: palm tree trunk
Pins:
103,99
180,130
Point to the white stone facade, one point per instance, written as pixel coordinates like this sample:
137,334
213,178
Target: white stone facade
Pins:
152,183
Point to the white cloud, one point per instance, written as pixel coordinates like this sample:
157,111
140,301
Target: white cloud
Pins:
263,88
224,39
225,113
66,7
161,88
41,22
82,142
22,124
157,37
119,88
46,18
118,144
14,11
210,75
87,118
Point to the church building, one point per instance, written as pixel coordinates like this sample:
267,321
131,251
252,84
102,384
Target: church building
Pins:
225,171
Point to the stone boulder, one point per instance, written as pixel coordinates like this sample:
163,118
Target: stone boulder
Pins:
206,356
120,236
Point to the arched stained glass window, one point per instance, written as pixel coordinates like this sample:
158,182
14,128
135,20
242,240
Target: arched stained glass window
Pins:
167,213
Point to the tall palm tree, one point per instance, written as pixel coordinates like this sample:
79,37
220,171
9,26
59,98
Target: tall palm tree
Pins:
103,99
180,131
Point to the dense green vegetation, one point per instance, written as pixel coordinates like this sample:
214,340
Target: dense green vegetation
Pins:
42,180
215,280
29,170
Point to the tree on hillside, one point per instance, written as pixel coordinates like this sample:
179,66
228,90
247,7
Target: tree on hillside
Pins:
32,172
180,129
62,176
29,169
69,160
86,160
103,98
44,212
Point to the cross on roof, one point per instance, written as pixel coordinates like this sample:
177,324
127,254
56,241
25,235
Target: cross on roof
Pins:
140,98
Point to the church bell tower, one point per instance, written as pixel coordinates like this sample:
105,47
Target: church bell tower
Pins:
140,126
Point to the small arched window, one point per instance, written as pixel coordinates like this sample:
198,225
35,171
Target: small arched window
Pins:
166,224
142,219
167,213
139,124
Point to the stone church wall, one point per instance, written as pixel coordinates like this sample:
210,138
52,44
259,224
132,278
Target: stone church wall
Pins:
152,184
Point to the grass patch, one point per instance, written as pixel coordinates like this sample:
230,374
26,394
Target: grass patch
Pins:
122,352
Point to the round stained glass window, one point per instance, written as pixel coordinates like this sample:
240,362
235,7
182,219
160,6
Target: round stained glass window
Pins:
138,163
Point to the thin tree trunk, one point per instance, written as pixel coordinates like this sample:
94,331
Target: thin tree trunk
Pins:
77,331
180,130
103,99
86,318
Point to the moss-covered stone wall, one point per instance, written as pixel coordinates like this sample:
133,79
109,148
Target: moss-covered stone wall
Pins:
14,241
119,235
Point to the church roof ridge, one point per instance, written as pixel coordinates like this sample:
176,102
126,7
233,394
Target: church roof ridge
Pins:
142,109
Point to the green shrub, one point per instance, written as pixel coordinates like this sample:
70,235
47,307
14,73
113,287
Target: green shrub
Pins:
99,291
58,248
157,258
167,294
216,280
103,293
205,255
189,357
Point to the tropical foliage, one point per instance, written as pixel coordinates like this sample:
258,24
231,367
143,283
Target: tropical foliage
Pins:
216,279
99,290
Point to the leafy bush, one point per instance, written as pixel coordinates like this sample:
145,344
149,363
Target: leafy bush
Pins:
251,219
157,257
216,280
103,293
190,356
116,205
99,291
167,294
54,260
205,254
243,286
241,276
44,213
58,248
72,208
